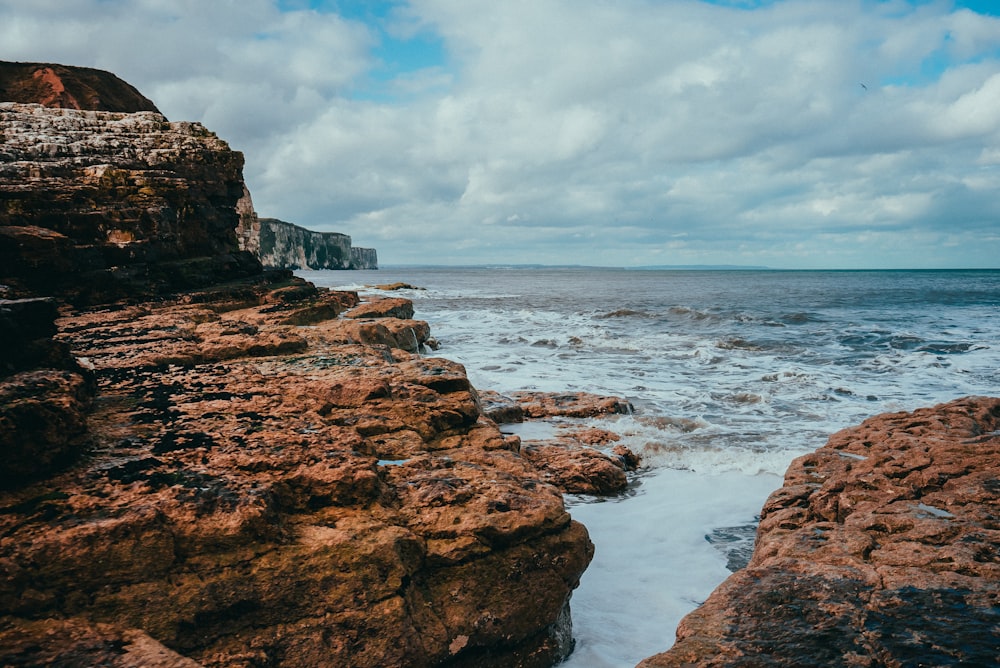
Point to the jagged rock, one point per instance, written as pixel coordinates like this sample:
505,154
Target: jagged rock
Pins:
243,505
285,245
500,408
69,87
383,307
576,469
569,404
43,422
881,549
97,205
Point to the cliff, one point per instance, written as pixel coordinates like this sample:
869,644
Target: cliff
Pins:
286,246
99,205
881,549
205,464
69,88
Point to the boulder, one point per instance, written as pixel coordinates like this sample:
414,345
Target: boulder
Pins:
569,404
880,549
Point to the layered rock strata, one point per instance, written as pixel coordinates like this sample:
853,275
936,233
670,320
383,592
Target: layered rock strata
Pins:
287,246
881,549
99,205
265,486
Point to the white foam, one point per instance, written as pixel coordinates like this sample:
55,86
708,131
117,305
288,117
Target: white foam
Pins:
652,563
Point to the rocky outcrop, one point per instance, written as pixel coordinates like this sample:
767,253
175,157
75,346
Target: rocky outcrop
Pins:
262,493
69,88
259,480
96,205
881,549
287,246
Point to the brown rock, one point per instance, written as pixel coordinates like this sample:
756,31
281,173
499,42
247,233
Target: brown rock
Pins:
43,422
245,504
98,205
879,550
53,642
571,404
383,307
69,87
499,408
576,469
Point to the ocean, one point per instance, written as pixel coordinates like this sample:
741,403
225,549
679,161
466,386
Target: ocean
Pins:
732,374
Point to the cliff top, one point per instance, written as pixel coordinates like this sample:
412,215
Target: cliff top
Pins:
69,87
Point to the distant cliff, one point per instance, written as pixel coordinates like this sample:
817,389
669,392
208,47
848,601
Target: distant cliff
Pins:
286,246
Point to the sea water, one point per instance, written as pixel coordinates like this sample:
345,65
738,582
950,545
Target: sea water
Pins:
732,374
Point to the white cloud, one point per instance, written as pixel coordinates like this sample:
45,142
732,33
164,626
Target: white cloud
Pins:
809,133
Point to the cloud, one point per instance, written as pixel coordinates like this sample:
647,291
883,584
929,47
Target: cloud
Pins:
579,131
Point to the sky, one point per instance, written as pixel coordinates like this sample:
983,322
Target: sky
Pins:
793,134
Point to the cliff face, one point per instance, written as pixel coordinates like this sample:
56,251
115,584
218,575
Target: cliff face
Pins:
287,246
881,549
69,88
97,205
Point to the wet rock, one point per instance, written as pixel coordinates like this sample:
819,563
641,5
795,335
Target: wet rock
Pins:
879,550
572,404
383,307
576,469
499,408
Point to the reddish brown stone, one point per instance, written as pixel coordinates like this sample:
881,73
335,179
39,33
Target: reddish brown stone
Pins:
69,87
571,404
881,549
337,504
383,307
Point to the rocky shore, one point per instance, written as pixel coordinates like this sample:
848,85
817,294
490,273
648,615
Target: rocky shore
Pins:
881,549
210,464
206,463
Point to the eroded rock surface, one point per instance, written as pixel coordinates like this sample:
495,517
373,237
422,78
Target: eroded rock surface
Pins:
881,549
97,205
258,493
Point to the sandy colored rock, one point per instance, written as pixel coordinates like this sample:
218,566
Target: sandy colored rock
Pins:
881,549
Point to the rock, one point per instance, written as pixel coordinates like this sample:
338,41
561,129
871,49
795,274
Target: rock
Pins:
96,205
52,642
389,287
287,246
576,469
573,404
383,307
264,481
248,504
26,329
879,550
69,87
499,408
43,423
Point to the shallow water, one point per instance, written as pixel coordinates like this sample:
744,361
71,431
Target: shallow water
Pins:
732,374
